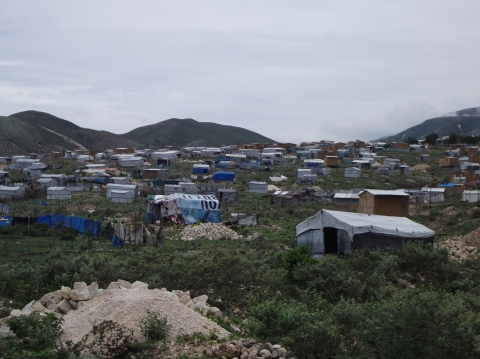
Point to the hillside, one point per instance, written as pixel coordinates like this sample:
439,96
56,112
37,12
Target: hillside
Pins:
188,132
33,131
463,122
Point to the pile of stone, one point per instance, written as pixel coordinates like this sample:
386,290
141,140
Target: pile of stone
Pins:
459,250
211,231
234,349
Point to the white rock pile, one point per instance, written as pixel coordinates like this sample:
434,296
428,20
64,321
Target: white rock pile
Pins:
211,231
458,250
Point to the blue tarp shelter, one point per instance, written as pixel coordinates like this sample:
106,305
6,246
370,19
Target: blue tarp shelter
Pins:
6,221
224,176
78,223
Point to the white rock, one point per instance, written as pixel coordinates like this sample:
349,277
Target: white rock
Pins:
28,309
5,332
93,289
124,283
66,292
202,299
16,313
140,285
64,306
80,292
113,285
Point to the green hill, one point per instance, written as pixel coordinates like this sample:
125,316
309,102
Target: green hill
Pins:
34,131
188,132
463,122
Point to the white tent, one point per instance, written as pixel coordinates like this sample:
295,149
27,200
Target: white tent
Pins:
257,187
352,172
8,192
339,232
58,193
118,196
122,187
472,196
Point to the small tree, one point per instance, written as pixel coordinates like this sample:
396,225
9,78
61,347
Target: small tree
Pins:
453,138
431,138
411,140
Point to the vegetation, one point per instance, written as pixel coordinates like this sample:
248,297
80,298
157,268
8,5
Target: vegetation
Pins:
153,327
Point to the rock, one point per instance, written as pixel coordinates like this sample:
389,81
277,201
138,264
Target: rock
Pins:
16,313
276,346
140,285
64,306
73,304
66,292
179,293
234,328
172,295
80,292
249,343
216,312
185,299
278,353
80,304
5,332
113,285
189,303
57,298
124,284
46,299
253,354
244,355
202,299
28,309
93,289
38,307
53,307
265,353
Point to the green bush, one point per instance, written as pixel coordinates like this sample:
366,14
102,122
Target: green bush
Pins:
37,332
153,327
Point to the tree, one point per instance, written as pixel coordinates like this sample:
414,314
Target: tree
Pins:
411,140
453,138
431,138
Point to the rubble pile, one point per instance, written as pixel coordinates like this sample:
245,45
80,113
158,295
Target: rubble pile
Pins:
458,249
212,231
124,303
240,349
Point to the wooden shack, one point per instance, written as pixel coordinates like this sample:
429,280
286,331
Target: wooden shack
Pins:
332,161
384,203
448,162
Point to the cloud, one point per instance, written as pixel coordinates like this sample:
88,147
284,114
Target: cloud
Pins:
293,71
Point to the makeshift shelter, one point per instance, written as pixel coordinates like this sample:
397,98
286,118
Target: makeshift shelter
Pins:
257,187
433,195
383,171
424,158
346,201
120,180
224,176
330,232
122,187
58,193
352,172
332,161
302,172
119,196
472,196
383,202
183,208
155,173
448,162
325,171
243,219
11,192
404,170
201,169
228,195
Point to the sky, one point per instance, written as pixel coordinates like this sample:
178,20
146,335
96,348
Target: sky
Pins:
290,70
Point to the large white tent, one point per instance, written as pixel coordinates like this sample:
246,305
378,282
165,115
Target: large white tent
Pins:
339,232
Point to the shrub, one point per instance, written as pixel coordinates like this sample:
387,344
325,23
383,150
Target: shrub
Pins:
37,332
153,327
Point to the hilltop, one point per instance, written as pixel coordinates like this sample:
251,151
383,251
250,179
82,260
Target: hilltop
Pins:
34,131
463,122
188,132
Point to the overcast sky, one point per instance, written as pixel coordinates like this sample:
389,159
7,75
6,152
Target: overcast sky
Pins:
290,70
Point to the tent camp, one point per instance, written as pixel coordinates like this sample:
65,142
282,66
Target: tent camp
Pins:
229,195
118,196
9,192
339,232
472,196
58,193
122,187
183,208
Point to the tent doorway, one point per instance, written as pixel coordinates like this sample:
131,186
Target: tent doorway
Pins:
330,240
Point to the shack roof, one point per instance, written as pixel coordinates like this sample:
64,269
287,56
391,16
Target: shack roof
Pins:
378,192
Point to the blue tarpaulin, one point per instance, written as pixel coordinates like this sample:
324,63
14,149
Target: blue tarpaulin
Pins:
6,221
224,176
78,223
117,241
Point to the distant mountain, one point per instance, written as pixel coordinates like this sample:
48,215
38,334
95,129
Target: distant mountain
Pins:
188,132
463,122
40,132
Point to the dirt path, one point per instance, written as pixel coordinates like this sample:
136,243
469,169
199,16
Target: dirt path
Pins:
68,139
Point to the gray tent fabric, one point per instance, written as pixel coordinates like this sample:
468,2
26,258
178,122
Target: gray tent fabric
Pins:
339,232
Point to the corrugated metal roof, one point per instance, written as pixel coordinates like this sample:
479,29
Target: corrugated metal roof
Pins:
379,192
